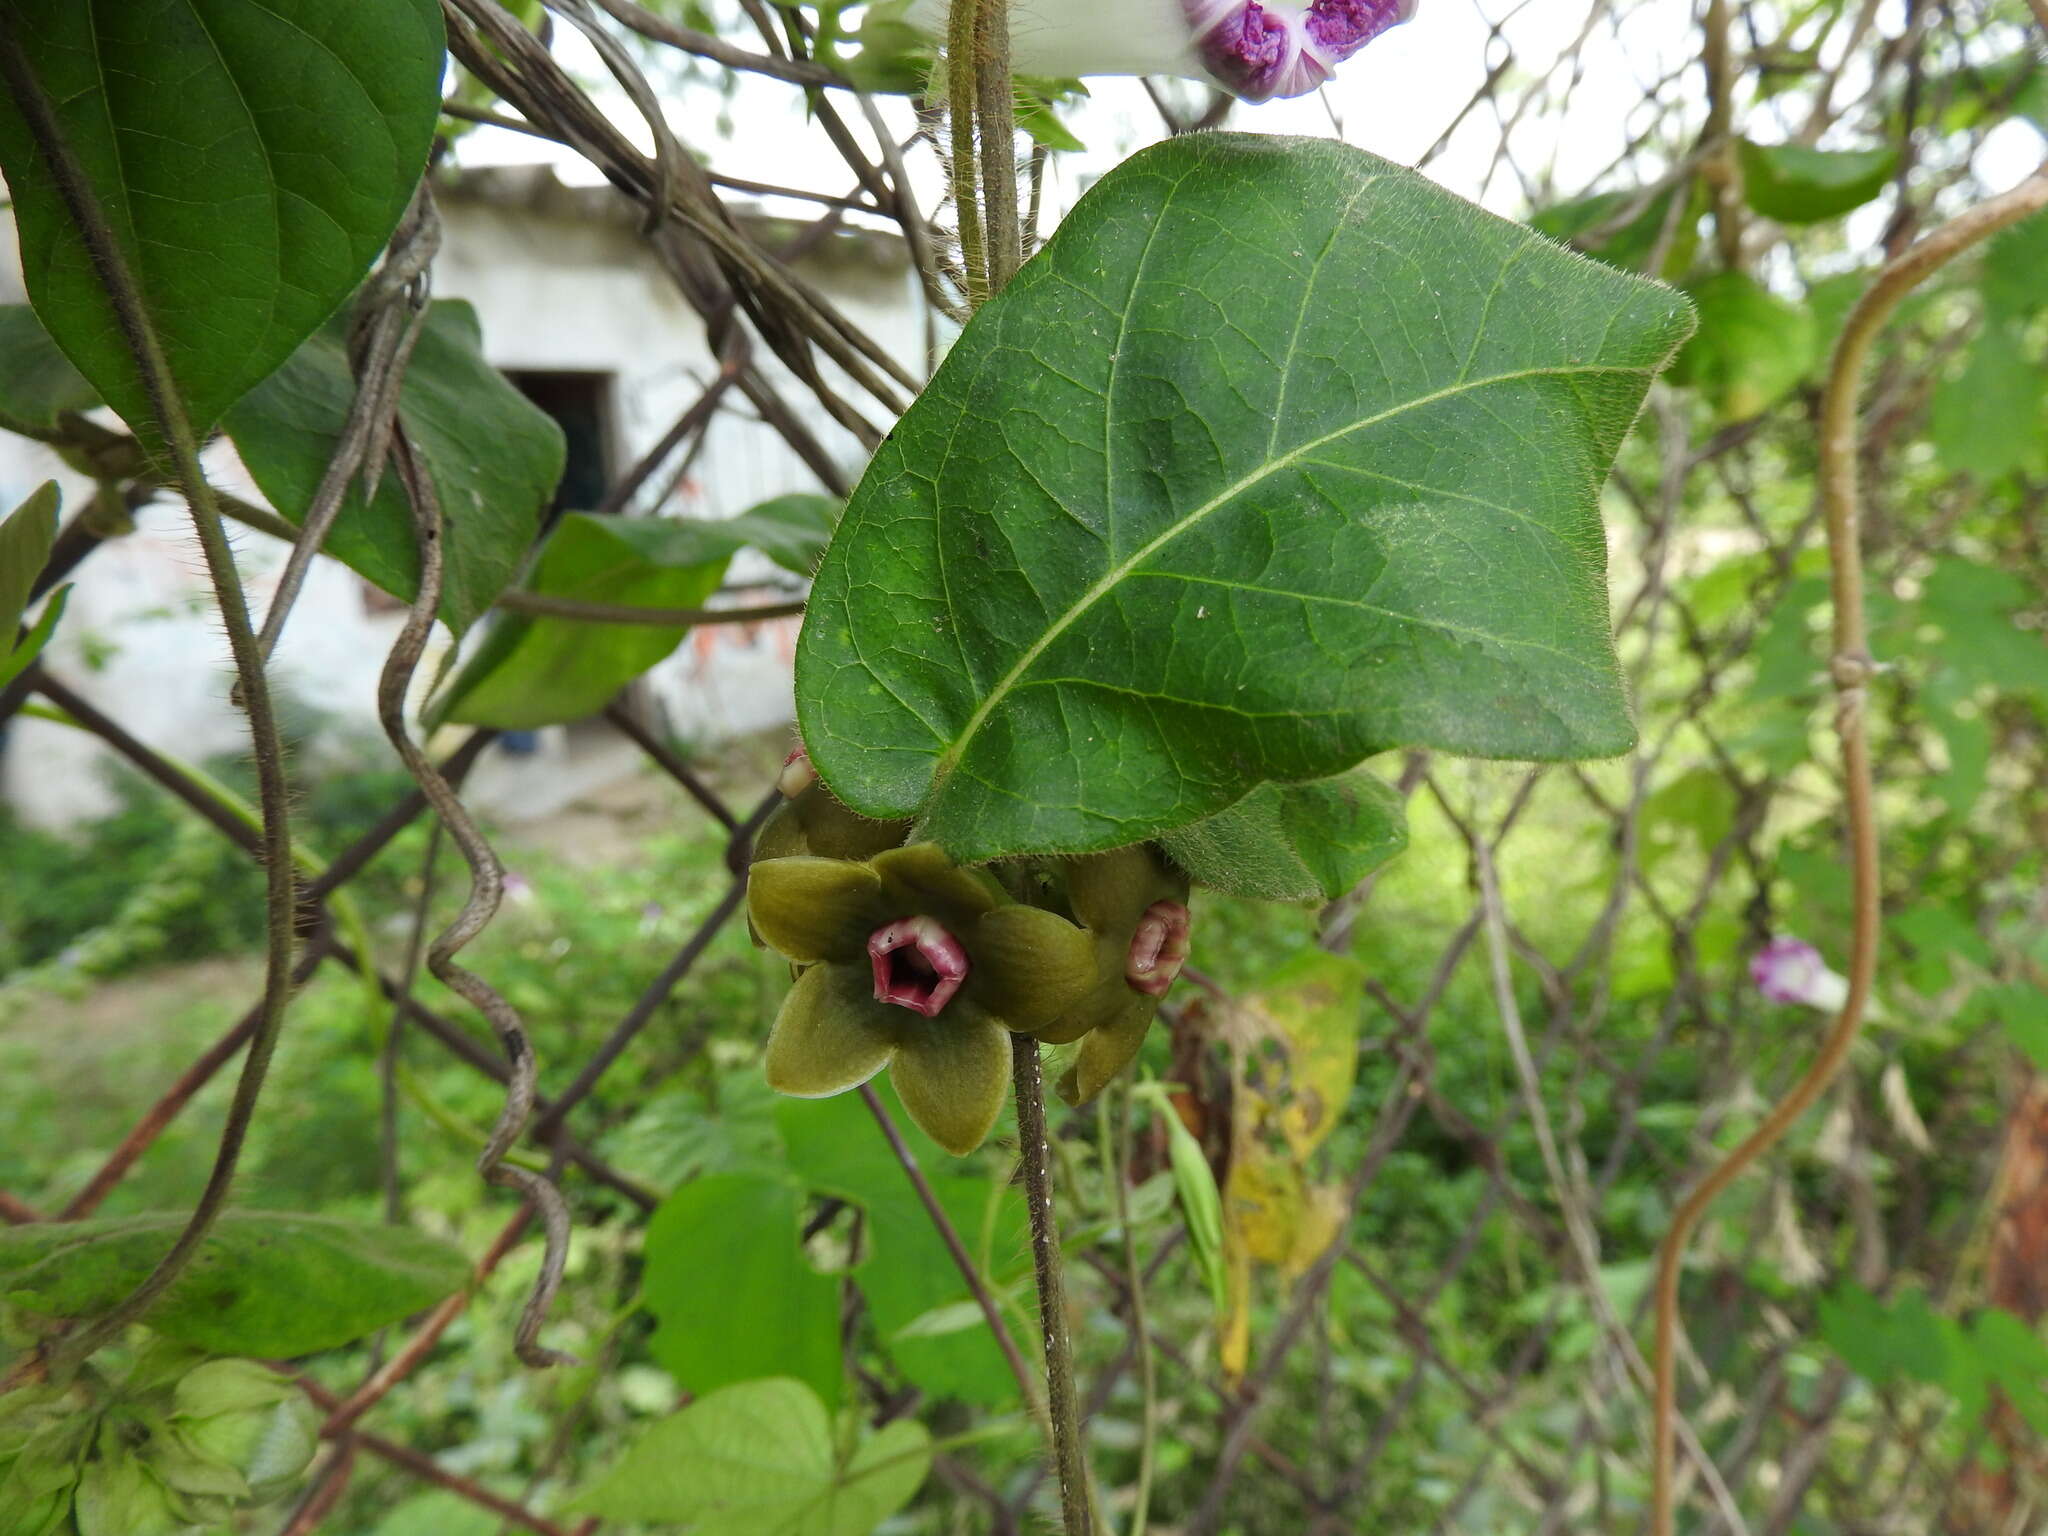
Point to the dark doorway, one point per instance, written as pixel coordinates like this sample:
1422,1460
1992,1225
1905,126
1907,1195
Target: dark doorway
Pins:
581,404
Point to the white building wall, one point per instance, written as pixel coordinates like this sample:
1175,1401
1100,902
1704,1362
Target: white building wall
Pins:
555,291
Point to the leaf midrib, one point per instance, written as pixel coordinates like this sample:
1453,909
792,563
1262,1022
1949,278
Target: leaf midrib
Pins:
950,757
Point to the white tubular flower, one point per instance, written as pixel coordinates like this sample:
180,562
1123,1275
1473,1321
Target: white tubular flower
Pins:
1255,51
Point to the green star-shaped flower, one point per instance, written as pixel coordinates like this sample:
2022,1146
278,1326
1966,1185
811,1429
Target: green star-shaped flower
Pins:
916,965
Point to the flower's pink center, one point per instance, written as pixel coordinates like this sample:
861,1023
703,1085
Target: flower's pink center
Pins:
918,964
1159,948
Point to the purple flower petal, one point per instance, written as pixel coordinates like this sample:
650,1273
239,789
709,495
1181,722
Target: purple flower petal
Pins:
1261,51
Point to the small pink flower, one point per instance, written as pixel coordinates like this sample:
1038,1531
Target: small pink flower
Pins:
1789,970
918,964
517,887
1159,948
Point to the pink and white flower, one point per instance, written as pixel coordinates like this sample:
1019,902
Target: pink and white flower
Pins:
1789,970
1255,49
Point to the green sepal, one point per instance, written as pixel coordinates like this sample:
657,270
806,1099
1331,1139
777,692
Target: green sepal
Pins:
920,878
1027,966
952,1074
814,909
1112,1045
831,1034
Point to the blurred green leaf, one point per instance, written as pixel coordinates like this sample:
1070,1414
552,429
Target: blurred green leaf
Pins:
493,455
2015,275
1751,348
37,381
25,539
2021,1011
530,671
273,1283
1296,842
1797,185
247,198
1975,606
727,1279
438,1513
1588,224
1992,417
759,1458
13,663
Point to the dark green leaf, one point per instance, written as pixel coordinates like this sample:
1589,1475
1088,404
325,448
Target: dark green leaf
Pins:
1797,185
1296,842
1276,456
37,380
759,1459
1751,349
264,1282
539,671
247,195
493,455
728,1282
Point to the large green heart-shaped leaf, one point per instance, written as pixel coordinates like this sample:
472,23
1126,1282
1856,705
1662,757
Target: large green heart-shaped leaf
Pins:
727,1279
494,457
1296,842
1276,456
759,1459
250,157
263,1282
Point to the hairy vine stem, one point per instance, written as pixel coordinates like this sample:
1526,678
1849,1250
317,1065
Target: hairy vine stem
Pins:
984,140
1851,668
963,52
1034,1149
181,444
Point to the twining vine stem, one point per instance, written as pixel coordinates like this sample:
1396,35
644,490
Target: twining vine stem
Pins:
486,892
181,445
984,140
1851,668
1035,1151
